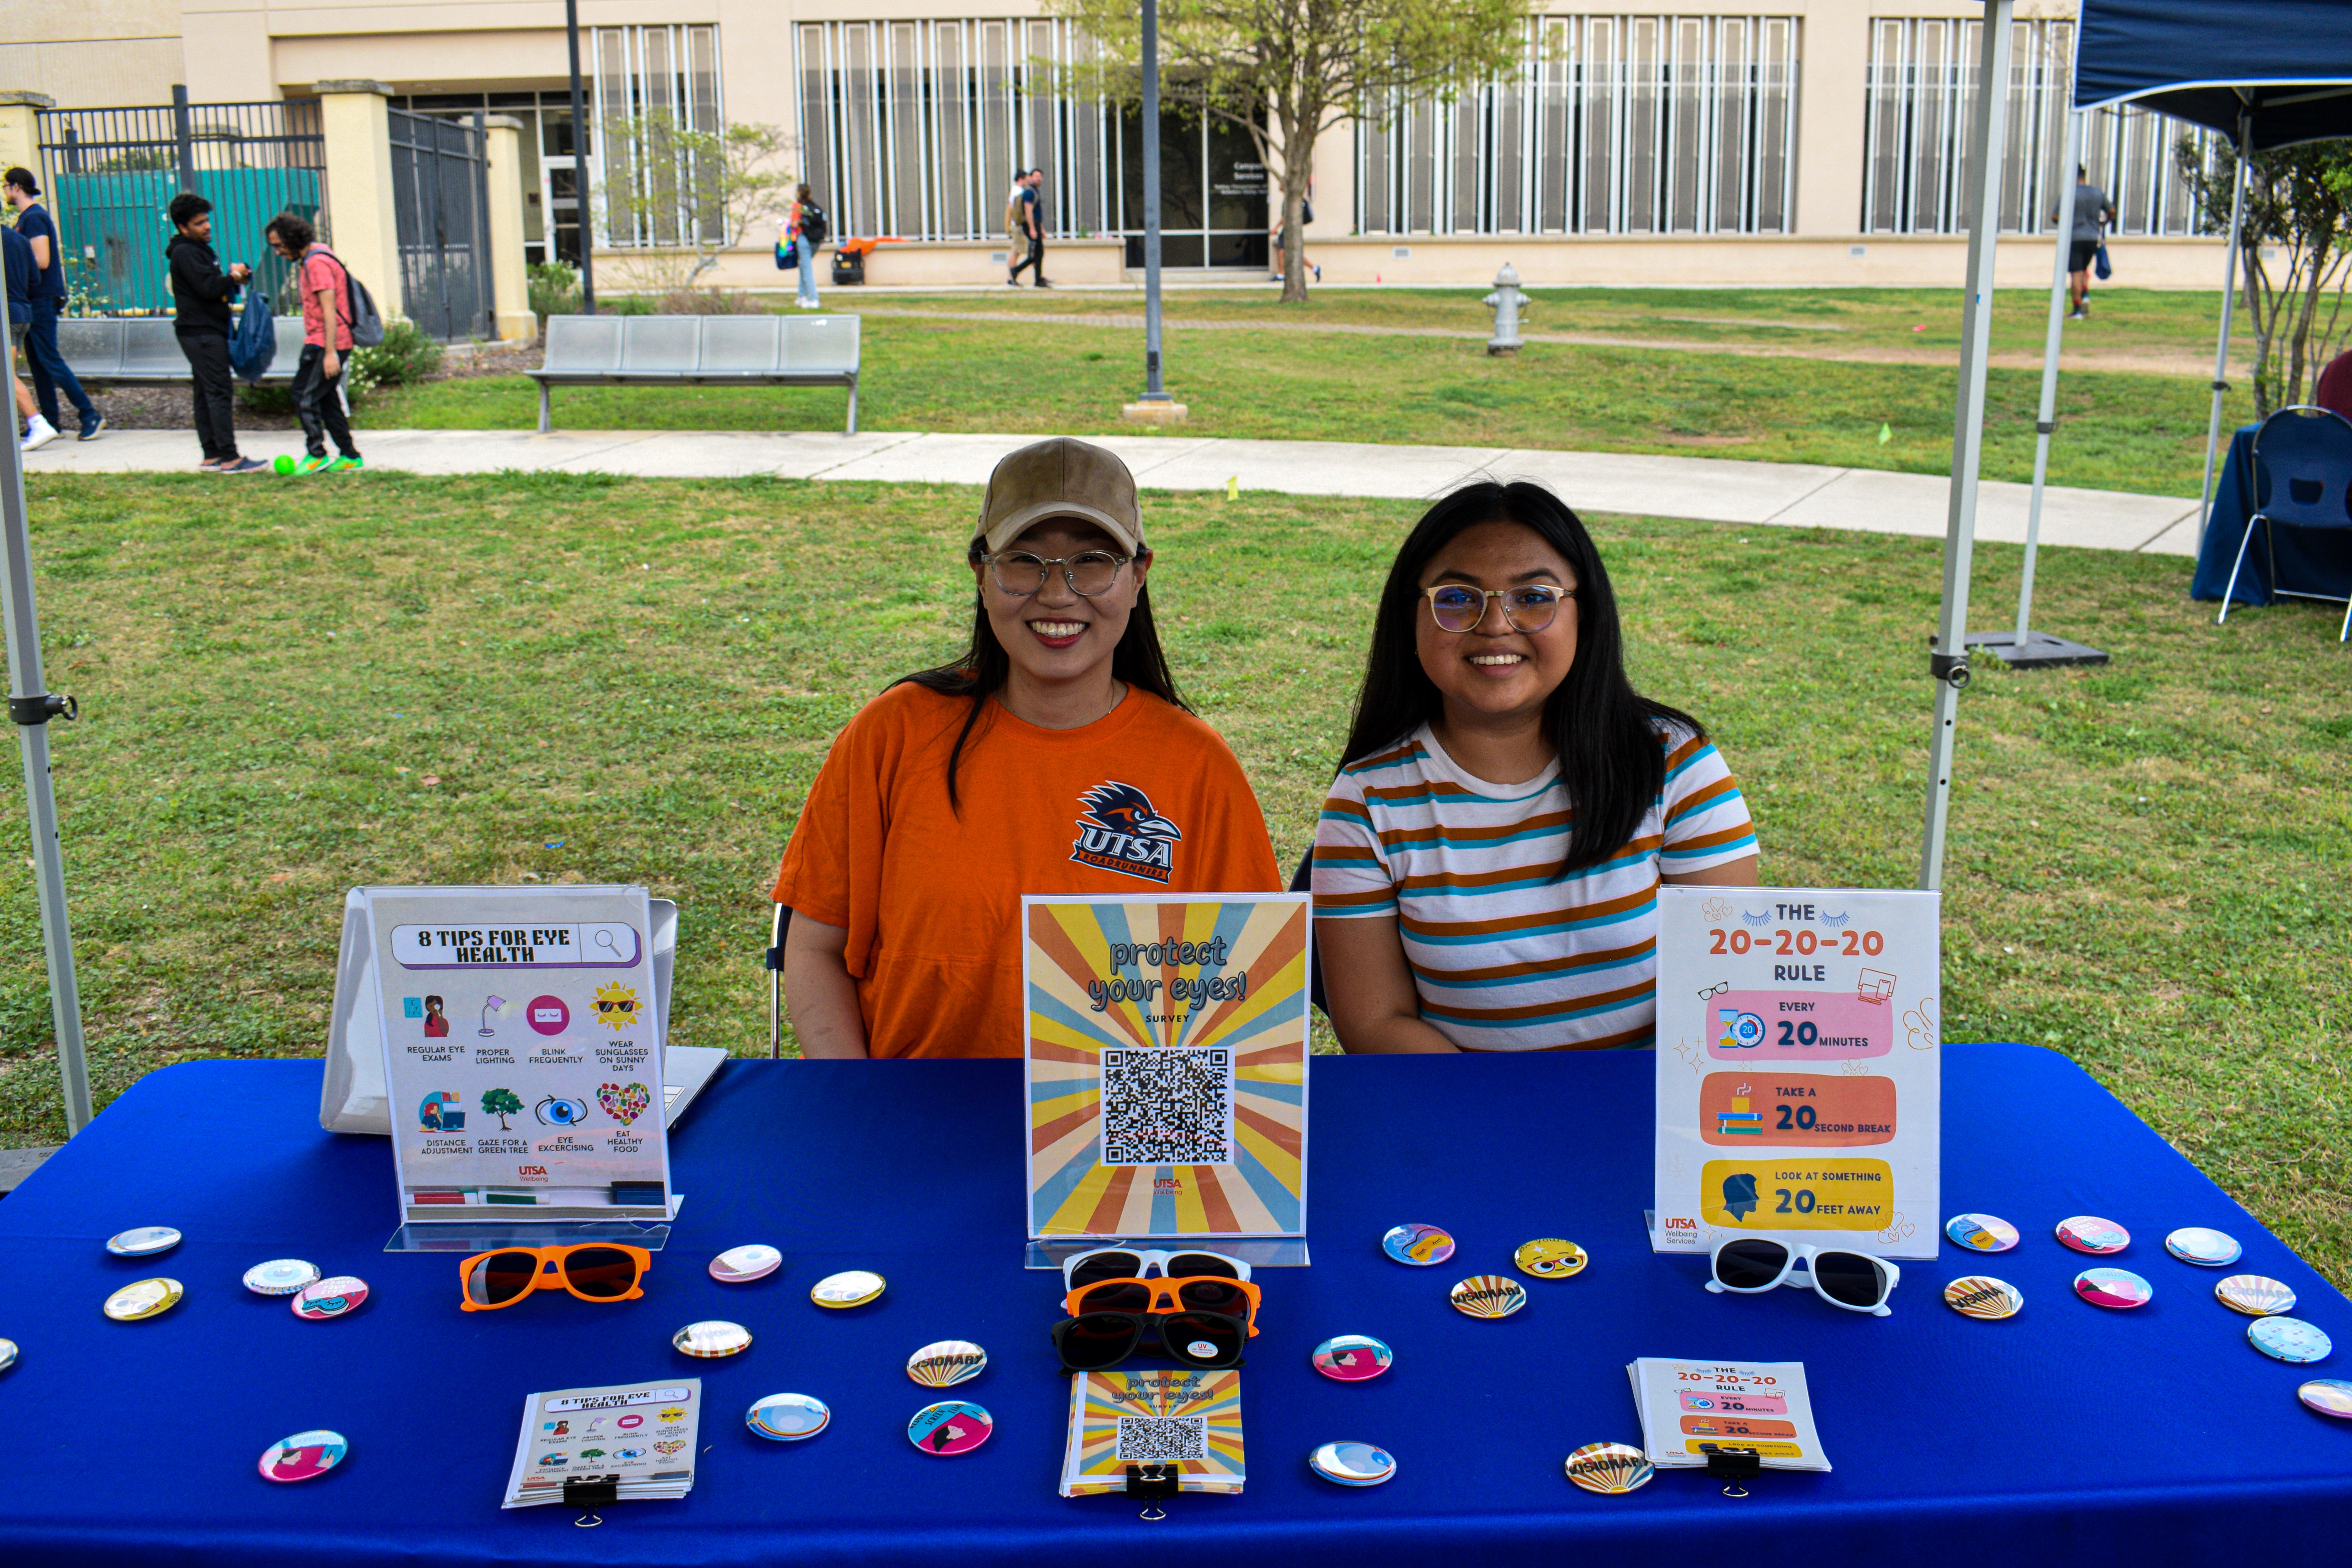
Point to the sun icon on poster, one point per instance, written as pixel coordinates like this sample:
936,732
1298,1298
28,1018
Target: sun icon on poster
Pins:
616,1007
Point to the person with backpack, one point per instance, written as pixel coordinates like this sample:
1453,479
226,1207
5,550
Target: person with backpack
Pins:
203,289
806,227
51,374
326,339
18,253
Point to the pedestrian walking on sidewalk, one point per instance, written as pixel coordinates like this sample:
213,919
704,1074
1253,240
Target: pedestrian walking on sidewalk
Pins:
805,224
202,325
326,342
1028,210
17,254
51,372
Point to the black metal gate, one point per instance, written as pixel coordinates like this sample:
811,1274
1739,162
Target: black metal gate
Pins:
109,174
440,186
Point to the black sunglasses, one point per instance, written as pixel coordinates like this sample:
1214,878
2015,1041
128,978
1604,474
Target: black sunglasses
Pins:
1096,1341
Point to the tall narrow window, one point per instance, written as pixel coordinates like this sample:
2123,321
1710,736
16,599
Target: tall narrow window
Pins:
654,187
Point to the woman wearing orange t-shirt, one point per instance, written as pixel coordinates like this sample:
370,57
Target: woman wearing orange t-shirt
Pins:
1054,757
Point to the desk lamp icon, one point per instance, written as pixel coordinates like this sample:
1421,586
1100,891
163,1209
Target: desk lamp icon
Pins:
491,1005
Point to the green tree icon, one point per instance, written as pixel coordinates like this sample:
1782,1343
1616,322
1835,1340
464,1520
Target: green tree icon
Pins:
501,1103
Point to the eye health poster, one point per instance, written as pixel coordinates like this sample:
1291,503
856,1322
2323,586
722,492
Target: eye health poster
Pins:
1166,1046
522,1053
1800,1068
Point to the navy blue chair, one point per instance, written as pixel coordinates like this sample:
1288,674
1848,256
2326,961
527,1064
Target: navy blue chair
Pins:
2307,454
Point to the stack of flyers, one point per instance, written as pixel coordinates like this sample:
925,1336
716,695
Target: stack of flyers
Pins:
1185,1418
639,1436
1689,1408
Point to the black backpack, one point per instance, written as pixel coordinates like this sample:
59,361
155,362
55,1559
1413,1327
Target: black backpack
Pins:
814,227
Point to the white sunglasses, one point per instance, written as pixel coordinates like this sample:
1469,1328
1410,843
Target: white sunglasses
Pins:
1750,1264
1134,1263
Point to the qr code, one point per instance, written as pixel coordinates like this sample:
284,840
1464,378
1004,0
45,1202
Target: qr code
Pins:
1161,1439
1168,1107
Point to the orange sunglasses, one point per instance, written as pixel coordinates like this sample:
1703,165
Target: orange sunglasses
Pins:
1194,1293
596,1271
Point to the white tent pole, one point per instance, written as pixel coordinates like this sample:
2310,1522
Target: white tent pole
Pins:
31,707
1948,663
2047,420
2221,354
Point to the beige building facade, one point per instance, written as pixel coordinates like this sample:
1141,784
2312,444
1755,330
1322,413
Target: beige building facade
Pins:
1814,142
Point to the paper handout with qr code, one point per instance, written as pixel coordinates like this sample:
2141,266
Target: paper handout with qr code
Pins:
1166,1041
1158,1416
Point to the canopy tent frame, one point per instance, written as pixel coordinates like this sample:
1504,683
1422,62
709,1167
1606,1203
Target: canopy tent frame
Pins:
2121,53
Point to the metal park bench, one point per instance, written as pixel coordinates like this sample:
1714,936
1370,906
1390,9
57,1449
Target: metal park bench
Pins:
698,351
145,349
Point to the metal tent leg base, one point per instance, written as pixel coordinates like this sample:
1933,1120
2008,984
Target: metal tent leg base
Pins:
2042,651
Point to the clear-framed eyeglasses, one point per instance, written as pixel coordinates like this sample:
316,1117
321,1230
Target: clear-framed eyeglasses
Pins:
1529,608
1023,572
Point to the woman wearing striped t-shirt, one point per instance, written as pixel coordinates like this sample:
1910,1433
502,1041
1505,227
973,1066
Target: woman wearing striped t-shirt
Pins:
1486,866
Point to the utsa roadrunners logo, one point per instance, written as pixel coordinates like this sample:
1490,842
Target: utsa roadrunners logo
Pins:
1120,831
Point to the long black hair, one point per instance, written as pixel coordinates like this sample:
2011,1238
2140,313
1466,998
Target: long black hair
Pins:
980,671
1606,733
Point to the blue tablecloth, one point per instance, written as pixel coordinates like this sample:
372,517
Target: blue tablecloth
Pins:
2066,1435
2309,561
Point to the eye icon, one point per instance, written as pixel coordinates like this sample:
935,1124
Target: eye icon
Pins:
554,1112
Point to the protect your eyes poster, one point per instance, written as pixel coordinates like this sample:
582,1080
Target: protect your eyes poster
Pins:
522,1052
1800,1068
1166,1048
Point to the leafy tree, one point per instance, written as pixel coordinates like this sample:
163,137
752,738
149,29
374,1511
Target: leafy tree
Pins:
689,196
1287,70
501,1103
2299,200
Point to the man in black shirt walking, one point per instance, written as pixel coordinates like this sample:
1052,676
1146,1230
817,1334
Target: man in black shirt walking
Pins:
202,325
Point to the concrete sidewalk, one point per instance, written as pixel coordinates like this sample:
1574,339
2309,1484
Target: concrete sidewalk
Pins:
1707,489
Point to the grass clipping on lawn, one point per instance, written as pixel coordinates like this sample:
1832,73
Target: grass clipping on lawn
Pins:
291,689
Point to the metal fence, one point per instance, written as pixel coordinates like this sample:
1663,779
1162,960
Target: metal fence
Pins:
440,184
110,175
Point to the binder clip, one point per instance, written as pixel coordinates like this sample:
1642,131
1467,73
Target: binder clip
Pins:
1734,1466
1154,1484
589,1493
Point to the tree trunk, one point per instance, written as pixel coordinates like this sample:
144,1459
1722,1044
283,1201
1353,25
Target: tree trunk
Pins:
1298,177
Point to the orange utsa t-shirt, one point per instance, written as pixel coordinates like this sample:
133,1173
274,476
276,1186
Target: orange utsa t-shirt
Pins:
1146,800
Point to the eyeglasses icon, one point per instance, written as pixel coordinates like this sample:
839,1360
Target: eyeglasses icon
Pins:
1718,989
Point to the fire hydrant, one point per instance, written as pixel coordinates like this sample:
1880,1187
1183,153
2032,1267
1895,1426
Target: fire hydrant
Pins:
1508,302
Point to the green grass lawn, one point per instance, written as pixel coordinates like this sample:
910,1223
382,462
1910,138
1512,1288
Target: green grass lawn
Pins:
2117,430
289,690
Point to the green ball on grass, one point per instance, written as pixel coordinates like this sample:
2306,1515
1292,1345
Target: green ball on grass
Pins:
284,465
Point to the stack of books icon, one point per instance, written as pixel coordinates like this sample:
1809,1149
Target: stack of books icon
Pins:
1740,1120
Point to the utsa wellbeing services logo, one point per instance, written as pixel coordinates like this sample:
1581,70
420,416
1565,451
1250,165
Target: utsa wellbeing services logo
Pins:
1120,830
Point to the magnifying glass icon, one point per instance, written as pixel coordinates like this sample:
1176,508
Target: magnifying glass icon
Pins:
603,939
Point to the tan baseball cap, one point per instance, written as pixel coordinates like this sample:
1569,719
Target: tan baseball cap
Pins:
1060,477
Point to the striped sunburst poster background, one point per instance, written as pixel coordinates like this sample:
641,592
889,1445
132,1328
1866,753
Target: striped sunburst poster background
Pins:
1262,1190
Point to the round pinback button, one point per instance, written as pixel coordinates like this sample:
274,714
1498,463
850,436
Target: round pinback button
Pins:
8,1354
741,1265
1549,1258
1352,1464
2327,1395
712,1337
951,1427
2088,1233
788,1417
2257,1295
1610,1468
1419,1245
304,1456
143,1299
1488,1296
1982,1296
281,1277
142,1241
333,1298
1981,1232
949,1362
2113,1287
2206,1249
852,1288
2289,1340
1353,1358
